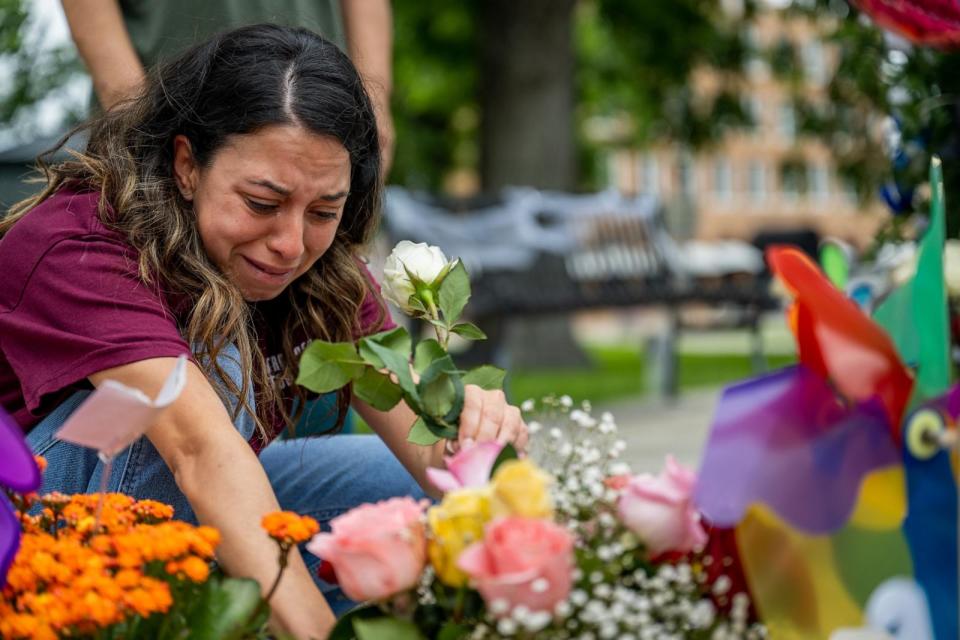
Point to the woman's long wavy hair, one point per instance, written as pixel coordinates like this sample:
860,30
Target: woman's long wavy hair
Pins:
234,84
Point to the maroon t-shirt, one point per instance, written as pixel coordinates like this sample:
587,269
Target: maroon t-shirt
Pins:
72,303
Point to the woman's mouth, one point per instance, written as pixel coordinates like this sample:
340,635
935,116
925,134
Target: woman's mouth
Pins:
268,272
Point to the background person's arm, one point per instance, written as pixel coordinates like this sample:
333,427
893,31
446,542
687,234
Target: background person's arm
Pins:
369,30
226,486
103,42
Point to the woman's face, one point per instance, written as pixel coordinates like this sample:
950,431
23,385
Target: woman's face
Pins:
269,204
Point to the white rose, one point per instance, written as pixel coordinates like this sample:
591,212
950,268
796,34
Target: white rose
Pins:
421,260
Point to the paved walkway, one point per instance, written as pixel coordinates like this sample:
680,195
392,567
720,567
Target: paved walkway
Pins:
653,428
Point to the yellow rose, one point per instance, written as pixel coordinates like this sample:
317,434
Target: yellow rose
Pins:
520,488
456,523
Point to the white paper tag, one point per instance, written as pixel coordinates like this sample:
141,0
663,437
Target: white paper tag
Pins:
115,415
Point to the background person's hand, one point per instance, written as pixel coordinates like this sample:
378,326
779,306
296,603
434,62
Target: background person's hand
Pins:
487,416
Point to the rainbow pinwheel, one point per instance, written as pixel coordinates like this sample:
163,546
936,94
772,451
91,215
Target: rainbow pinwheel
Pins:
935,23
18,471
837,473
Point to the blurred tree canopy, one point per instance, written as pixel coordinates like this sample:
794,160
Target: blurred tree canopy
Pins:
630,57
479,81
31,72
890,106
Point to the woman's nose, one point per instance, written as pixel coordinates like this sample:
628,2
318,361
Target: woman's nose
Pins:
286,237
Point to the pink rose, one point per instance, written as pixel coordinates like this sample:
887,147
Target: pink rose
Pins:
521,561
469,467
376,550
659,510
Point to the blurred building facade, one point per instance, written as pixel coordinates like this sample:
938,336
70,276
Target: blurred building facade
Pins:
769,177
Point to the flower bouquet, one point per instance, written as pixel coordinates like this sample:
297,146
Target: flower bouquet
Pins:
564,543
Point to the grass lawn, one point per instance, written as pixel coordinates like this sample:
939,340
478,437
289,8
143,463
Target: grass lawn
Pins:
619,372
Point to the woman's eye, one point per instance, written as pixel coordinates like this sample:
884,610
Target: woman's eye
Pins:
261,207
324,215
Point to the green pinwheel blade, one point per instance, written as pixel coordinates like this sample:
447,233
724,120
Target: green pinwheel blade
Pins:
916,314
835,265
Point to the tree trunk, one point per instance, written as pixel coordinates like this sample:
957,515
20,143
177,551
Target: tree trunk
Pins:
527,135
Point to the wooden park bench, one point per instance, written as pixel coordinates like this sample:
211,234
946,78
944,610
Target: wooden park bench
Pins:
535,253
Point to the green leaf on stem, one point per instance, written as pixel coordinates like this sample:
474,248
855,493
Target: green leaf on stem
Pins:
437,388
397,364
454,293
377,390
486,377
226,609
453,631
386,629
414,303
327,366
343,630
397,340
421,434
427,352
469,331
443,272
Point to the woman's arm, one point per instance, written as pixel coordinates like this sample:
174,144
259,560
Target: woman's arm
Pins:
103,42
223,480
486,416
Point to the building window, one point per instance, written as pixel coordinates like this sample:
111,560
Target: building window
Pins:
722,178
649,175
788,122
793,180
754,109
757,181
814,62
819,180
687,175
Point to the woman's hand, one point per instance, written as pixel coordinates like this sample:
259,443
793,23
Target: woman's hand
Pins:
487,416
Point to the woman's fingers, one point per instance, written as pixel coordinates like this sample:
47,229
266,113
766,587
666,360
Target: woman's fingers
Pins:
470,416
486,416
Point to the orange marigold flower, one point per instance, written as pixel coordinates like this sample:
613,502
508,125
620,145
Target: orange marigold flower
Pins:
195,568
287,527
41,463
151,510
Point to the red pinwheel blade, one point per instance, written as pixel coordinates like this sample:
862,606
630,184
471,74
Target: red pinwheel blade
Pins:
838,341
935,23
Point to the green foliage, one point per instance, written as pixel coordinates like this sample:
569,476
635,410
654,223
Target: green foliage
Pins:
454,293
327,366
426,352
386,629
422,435
486,377
33,73
396,340
632,57
636,57
377,390
918,86
469,331
435,89
226,609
